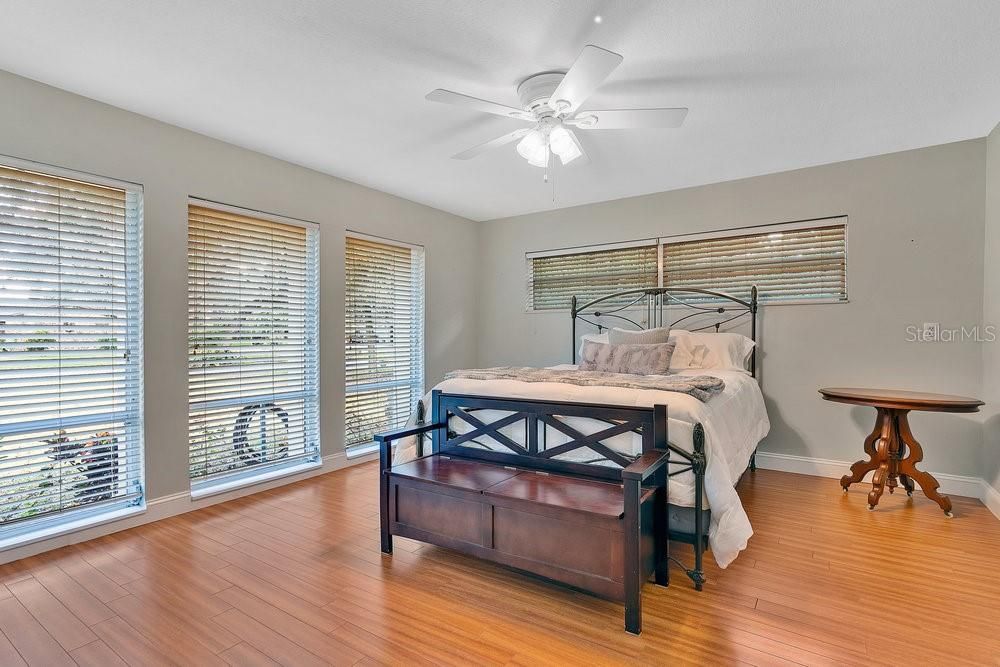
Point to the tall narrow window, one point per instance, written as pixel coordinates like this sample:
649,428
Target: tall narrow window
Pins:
384,336
555,277
793,262
253,331
70,351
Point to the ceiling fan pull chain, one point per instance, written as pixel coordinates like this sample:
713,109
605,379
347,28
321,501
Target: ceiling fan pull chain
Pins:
553,189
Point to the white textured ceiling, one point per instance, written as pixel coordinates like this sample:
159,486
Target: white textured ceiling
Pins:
339,85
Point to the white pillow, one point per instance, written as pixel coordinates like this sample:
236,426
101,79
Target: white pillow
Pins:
642,337
596,337
682,350
721,351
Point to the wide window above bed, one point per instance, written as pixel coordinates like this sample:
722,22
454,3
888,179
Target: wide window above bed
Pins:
383,336
796,262
253,346
554,277
789,263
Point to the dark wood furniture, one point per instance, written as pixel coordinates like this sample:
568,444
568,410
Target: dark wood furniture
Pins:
893,452
600,526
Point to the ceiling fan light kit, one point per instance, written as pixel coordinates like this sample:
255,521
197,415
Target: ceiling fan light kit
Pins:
550,101
549,137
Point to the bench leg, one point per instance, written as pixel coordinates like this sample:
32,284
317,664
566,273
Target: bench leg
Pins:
633,564
384,514
385,461
661,535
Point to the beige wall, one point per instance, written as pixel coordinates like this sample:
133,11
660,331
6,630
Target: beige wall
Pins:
44,124
915,255
991,313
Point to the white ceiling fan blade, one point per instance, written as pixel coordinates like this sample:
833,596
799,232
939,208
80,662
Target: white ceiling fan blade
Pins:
449,97
628,119
490,145
591,68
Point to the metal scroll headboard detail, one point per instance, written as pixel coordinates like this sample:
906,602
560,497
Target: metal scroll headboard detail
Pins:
710,310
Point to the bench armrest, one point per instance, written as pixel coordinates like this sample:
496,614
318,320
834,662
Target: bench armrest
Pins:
404,432
644,466
386,439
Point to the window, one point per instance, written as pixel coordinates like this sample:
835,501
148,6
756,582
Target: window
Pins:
786,263
554,278
383,336
253,330
70,350
794,262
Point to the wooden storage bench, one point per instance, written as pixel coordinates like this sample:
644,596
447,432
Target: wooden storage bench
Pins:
594,527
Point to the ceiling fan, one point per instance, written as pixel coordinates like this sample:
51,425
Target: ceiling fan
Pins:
551,102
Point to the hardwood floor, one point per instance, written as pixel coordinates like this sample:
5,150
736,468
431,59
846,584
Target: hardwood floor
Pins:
294,576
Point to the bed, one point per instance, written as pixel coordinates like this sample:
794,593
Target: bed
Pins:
712,442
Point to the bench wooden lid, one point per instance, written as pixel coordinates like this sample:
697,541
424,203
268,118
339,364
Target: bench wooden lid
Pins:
454,472
564,492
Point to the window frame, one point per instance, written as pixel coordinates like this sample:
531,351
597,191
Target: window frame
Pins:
224,482
662,241
364,449
64,522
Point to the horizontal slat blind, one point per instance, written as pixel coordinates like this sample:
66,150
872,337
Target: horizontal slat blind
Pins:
253,369
384,336
793,265
554,280
70,348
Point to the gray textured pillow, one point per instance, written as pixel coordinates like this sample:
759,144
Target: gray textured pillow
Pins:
647,337
628,358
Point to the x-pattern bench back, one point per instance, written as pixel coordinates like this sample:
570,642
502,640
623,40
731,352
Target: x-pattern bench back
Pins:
532,414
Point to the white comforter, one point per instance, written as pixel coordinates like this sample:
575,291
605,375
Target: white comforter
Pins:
734,421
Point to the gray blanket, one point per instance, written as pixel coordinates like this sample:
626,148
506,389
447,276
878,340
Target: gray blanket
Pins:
702,387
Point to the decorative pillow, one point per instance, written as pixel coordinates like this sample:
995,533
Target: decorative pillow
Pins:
722,351
628,358
682,353
646,337
596,337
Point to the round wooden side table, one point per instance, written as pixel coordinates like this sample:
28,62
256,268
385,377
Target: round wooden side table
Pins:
893,452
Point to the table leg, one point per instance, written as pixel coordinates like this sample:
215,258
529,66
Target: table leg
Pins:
908,468
907,484
885,446
863,467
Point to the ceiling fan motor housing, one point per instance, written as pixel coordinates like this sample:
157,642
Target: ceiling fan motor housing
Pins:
535,91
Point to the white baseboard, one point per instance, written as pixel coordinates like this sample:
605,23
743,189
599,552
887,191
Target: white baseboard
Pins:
174,504
955,485
991,498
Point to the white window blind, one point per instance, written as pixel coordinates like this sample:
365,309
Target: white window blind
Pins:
554,279
798,264
253,331
70,349
384,336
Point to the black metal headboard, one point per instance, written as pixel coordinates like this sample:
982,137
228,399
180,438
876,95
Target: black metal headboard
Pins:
709,310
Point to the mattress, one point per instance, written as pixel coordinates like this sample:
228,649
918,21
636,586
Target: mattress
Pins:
735,421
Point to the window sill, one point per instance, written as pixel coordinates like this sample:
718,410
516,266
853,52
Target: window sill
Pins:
71,526
360,451
206,489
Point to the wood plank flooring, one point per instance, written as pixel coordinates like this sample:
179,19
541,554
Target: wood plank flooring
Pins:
294,576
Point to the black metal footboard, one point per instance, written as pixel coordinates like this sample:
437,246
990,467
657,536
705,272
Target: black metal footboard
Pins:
695,462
